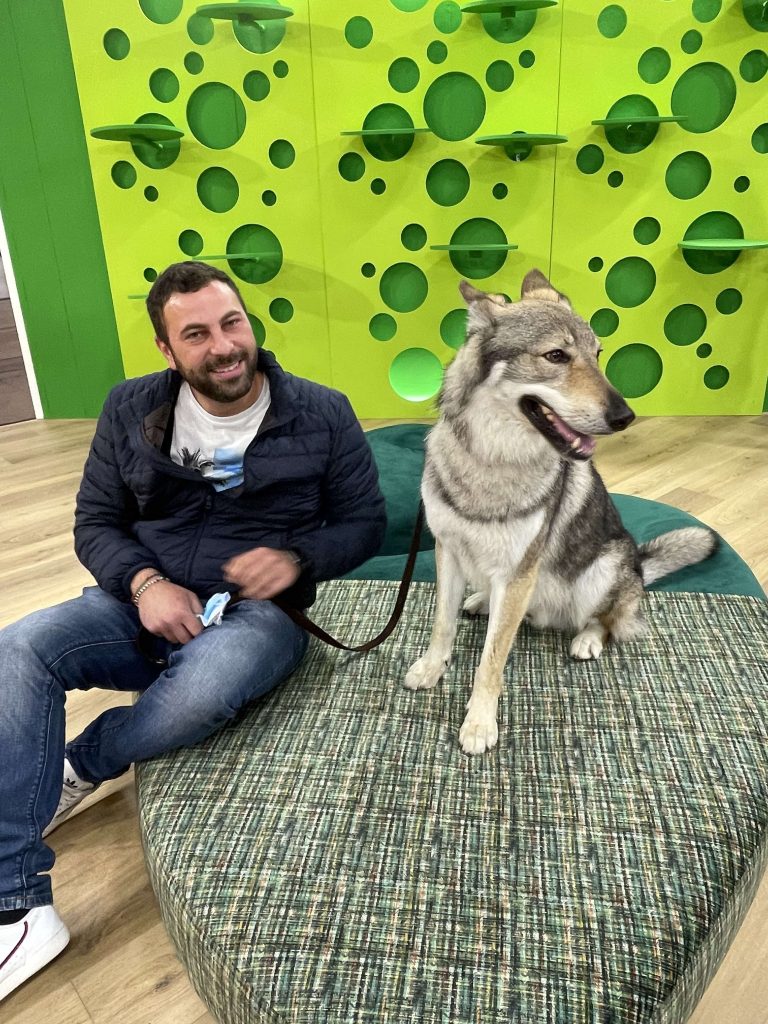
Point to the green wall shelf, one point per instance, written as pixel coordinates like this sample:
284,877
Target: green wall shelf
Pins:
640,120
142,296
371,133
256,256
506,8
721,244
150,134
519,144
250,13
474,248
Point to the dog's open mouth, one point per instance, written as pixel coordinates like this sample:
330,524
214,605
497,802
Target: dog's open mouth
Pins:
562,436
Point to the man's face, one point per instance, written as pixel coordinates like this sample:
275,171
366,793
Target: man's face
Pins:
211,344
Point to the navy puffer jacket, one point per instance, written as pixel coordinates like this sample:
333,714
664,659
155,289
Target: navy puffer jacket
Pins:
310,485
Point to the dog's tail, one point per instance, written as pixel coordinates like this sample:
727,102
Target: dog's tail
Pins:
676,549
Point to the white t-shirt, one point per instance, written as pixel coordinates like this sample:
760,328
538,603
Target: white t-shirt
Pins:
215,445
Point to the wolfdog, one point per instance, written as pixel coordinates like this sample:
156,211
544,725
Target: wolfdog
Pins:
515,504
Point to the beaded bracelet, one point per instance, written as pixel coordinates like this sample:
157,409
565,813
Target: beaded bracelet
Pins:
157,578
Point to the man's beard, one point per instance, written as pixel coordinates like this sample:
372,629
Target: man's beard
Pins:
222,390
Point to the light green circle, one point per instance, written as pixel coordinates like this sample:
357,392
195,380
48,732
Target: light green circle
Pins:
217,189
604,322
716,377
447,16
590,159
200,29
403,74
164,85
358,32
742,183
760,139
635,370
704,95
403,287
728,301
152,156
500,190
478,263
281,310
691,41
382,327
615,178
500,75
368,270
688,175
351,167
124,174
151,194
754,12
715,224
753,65
706,10
116,44
416,374
654,65
612,21
161,12
630,282
262,253
281,154
647,230
216,115
413,237
685,324
194,63
437,51
268,197
453,328
408,5
454,106
595,264
258,328
378,186
259,37
388,147
447,182
256,85
527,59
191,242
704,351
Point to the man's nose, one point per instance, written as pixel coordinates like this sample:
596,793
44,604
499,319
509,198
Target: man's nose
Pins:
221,343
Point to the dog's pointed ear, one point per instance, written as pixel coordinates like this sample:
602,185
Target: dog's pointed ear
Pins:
483,306
536,286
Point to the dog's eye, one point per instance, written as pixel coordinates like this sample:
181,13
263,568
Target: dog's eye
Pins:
557,356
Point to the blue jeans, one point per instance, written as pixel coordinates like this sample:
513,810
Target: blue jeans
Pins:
91,642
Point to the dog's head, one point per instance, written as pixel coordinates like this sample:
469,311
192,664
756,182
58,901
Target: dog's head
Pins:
541,359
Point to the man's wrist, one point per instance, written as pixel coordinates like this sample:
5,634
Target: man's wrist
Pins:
148,582
141,577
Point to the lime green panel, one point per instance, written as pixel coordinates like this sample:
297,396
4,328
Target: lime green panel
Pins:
245,169
624,203
50,216
387,200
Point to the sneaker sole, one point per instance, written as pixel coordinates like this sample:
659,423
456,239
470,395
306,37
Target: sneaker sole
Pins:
35,962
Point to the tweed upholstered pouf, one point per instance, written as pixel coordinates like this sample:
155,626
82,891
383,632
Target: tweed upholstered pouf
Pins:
334,857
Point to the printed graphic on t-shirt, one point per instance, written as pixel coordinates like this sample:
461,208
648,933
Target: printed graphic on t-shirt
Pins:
225,470
192,460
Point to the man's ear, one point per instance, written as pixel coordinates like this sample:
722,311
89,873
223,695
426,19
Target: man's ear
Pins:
483,307
536,286
165,348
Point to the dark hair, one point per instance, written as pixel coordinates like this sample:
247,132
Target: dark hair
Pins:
189,276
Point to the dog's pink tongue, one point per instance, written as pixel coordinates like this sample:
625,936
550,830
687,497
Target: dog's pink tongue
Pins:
582,443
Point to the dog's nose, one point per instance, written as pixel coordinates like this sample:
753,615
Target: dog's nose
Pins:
619,414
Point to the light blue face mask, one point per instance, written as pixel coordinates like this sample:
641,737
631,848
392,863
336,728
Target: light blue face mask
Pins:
214,609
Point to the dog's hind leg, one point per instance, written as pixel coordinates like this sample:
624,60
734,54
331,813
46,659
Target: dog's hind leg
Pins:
477,604
428,670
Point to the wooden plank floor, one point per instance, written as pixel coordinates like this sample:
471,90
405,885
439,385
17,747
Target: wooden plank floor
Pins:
120,967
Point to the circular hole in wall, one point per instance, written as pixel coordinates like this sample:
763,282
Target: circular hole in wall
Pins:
654,65
612,21
590,159
368,270
500,75
358,32
527,59
161,12
216,115
508,30
151,194
262,253
116,44
378,186
191,242
688,175
259,37
164,85
437,51
156,157
691,41
706,10
716,377
281,310
351,167
388,147
256,85
281,154
742,183
704,95
194,63
637,137
728,301
416,374
478,263
268,197
647,230
716,224
403,287
595,264
453,328
630,282
382,327
753,65
604,322
500,190
447,16
685,324
124,174
447,182
200,29
217,189
403,74
635,370
704,351
413,237
280,69
454,106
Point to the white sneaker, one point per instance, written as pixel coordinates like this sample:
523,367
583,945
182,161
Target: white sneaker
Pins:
28,945
73,790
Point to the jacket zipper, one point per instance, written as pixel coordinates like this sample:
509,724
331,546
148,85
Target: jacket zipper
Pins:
207,506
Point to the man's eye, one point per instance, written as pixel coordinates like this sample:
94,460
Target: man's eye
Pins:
557,356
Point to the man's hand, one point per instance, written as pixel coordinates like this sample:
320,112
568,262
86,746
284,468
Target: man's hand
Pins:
261,573
170,611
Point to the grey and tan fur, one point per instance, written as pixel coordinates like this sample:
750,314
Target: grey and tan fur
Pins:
516,506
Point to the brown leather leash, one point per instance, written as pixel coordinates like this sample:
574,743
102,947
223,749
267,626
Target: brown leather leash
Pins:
311,627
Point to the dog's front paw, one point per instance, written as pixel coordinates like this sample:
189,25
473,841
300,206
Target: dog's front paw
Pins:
480,732
476,604
424,673
587,645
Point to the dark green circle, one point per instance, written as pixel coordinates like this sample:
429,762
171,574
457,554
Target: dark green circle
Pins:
635,370
688,175
685,324
447,182
703,351
216,115
728,301
500,190
590,159
194,63
647,230
595,264
258,328
164,85
403,287
454,106
615,178
447,16
151,194
262,253
716,377
753,65
388,147
415,374
437,51
378,186
268,197
453,328
351,167
281,310
256,85
217,189
259,37
150,274
152,156
742,183
706,10
281,154
654,65
715,224
621,138
630,282
704,95
358,32
604,322
403,74
117,44
124,174
478,263
691,41
760,139
508,30
413,237
527,59
754,12
500,75
368,270
382,327
200,29
161,12
191,242
612,21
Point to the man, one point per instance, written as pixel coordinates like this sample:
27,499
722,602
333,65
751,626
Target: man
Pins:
222,474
